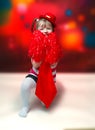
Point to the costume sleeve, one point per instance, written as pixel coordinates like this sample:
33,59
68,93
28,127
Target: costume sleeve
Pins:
36,49
54,51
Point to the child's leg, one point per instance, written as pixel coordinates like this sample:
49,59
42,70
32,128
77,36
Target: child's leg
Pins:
26,86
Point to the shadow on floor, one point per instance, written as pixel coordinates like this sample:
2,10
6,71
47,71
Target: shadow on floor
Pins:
36,104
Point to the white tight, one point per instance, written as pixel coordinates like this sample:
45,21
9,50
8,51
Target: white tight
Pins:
26,87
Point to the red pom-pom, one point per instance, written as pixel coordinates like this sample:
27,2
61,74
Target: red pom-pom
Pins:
53,52
36,49
44,47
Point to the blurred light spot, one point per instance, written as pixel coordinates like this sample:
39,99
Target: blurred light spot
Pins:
90,40
72,39
11,46
70,25
4,17
85,29
68,12
22,17
5,4
92,11
27,25
26,2
81,18
22,8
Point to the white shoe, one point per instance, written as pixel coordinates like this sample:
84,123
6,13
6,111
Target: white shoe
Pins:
24,111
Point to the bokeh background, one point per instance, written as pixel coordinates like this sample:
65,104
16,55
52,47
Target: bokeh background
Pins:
75,29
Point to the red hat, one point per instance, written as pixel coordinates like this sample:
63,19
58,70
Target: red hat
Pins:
50,17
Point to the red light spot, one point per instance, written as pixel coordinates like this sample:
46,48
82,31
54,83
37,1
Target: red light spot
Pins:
81,18
11,46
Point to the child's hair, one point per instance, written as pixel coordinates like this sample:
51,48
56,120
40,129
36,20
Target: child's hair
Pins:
33,24
36,23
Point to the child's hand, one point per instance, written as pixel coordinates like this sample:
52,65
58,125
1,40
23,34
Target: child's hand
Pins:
35,64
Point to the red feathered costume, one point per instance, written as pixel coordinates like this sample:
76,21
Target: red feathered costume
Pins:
46,49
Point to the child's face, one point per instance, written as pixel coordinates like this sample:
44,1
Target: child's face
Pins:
45,26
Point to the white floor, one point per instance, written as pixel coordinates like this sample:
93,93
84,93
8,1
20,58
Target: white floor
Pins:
73,107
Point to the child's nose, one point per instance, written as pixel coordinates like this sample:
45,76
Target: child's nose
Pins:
45,30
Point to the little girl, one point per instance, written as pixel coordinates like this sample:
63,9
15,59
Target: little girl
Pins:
44,52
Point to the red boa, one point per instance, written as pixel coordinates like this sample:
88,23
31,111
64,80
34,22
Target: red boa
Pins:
46,49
